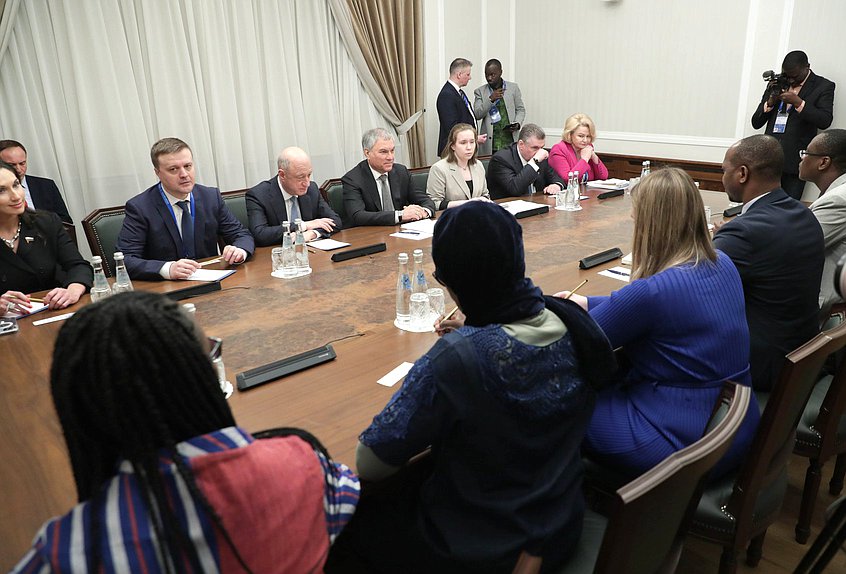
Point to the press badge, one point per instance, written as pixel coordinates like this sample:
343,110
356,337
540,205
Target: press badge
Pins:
781,120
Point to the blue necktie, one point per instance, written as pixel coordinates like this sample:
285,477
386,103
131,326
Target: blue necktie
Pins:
466,101
187,229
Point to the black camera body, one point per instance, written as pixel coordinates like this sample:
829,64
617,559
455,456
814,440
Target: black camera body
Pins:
778,83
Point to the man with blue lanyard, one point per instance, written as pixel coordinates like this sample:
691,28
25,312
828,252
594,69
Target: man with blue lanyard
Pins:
175,222
499,104
793,107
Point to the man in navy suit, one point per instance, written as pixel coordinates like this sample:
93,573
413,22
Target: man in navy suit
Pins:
289,196
41,193
378,191
522,168
453,105
777,245
170,225
795,113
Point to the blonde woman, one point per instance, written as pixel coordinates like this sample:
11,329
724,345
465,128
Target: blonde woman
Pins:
575,150
681,325
458,177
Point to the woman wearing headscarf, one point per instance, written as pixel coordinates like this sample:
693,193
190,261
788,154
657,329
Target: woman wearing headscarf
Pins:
503,402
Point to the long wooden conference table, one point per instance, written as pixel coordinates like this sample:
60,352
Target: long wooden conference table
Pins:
262,319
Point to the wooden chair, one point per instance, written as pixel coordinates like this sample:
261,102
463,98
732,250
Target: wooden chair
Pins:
650,513
101,229
822,434
740,507
332,191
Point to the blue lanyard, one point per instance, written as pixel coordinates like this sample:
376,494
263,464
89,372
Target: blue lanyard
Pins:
170,205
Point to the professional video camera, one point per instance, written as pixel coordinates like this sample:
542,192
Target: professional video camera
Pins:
777,83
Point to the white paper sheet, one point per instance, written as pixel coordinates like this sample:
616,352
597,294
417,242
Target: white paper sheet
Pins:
618,273
395,375
210,275
327,244
423,226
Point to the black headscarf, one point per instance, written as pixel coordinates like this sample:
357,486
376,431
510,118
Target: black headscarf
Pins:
478,254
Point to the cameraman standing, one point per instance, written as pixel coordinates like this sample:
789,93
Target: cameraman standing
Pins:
795,105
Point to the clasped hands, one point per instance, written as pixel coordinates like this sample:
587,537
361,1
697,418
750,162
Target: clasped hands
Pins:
57,298
414,213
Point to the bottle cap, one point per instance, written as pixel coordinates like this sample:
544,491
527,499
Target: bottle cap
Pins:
96,259
418,252
403,257
118,255
189,308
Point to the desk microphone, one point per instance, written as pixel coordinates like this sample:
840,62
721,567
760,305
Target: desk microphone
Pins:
358,252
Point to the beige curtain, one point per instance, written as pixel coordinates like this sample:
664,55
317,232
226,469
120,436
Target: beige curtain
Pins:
385,41
8,10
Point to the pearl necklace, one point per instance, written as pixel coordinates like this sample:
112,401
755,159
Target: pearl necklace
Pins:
11,242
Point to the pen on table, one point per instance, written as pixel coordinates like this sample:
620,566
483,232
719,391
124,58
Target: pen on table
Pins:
579,286
310,250
624,273
209,262
409,232
36,300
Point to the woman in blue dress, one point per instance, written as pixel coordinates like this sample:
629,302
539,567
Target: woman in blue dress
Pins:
682,327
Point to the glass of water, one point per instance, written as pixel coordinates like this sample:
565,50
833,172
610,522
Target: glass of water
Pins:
419,311
436,300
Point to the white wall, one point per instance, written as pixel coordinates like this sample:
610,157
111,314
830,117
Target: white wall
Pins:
664,78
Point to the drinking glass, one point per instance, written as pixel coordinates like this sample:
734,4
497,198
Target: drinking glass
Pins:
436,300
419,311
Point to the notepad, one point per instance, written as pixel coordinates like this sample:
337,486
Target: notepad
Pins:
327,244
34,308
423,226
411,234
609,184
618,273
210,275
518,206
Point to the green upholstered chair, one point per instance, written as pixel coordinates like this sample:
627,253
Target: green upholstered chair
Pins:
101,229
333,193
649,515
419,177
738,508
822,434
236,203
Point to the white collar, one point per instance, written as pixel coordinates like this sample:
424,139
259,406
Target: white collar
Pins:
285,195
172,199
454,85
376,174
749,203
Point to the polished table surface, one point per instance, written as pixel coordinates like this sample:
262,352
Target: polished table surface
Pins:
262,319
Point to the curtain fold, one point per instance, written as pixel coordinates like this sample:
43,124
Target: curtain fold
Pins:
89,86
385,42
8,11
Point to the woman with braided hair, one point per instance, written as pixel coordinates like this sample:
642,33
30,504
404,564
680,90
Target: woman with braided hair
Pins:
166,481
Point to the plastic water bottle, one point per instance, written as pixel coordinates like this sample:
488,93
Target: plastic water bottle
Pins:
289,260
403,290
123,284
571,198
418,284
300,249
101,288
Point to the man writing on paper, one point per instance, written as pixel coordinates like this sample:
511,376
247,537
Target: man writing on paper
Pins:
378,191
499,104
289,196
777,246
824,164
173,223
793,109
522,168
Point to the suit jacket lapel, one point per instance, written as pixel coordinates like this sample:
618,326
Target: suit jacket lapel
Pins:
199,223
517,162
807,87
305,207
277,202
456,175
371,188
7,256
167,217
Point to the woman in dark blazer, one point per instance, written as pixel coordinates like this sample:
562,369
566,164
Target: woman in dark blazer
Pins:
36,253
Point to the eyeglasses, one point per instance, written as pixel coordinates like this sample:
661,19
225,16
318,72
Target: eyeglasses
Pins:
216,348
804,152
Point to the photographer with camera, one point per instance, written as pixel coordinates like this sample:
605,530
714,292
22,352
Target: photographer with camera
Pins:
795,104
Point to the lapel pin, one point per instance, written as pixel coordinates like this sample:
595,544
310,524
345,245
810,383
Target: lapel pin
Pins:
29,239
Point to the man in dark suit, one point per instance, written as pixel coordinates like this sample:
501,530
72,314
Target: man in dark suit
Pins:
794,114
378,191
289,196
41,193
522,168
173,223
777,246
453,105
